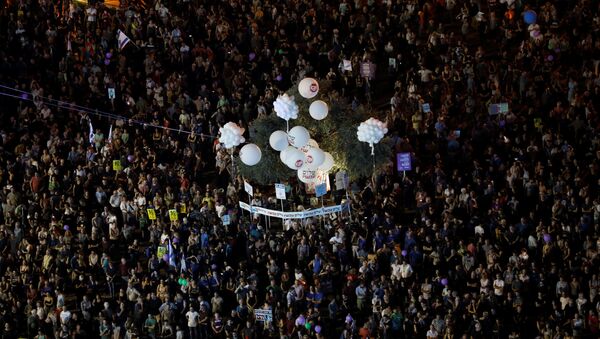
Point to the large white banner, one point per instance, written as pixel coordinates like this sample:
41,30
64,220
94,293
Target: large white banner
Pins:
294,215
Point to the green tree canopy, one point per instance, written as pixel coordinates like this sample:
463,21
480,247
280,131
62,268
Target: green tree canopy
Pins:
335,134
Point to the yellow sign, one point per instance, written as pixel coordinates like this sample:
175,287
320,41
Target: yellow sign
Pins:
537,123
151,214
173,216
182,208
161,251
117,165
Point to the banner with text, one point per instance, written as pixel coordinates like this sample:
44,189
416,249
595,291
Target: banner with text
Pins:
294,215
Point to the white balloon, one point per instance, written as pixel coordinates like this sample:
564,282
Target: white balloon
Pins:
284,154
308,88
327,163
318,110
315,158
298,136
306,175
295,159
371,131
278,140
250,154
231,135
311,144
285,107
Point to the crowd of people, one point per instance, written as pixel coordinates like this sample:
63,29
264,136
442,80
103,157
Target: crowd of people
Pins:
493,233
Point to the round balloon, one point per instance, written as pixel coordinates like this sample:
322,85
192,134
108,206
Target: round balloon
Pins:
250,154
283,155
295,159
306,175
327,163
298,136
318,110
308,88
530,17
315,157
278,140
311,144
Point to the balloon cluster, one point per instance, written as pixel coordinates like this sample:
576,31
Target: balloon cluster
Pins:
231,135
299,152
371,131
285,107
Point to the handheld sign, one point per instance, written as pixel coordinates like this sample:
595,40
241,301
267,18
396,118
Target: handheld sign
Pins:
151,213
111,93
404,162
117,165
280,191
226,219
263,315
248,188
173,216
321,190
161,251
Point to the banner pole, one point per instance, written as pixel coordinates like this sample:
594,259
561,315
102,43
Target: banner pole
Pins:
322,211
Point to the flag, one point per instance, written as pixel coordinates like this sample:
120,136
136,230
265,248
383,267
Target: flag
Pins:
171,255
91,133
123,40
110,134
183,263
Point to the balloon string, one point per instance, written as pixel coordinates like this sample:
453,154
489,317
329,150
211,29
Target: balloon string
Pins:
372,149
287,124
232,166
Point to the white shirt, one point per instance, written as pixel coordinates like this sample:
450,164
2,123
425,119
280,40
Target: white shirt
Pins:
65,316
405,270
91,13
498,287
192,318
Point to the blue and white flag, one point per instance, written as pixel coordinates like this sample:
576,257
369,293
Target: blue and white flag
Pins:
91,133
123,40
183,263
171,255
110,134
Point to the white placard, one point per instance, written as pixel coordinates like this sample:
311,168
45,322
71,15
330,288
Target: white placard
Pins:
280,191
248,188
346,65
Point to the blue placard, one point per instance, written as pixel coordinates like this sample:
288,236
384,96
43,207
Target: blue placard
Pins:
321,190
404,162
226,219
426,108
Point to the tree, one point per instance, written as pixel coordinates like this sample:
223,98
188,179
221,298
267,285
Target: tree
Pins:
335,134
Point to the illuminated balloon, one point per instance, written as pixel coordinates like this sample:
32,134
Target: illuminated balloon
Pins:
318,110
314,158
327,163
298,136
295,159
278,140
308,88
250,154
530,17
